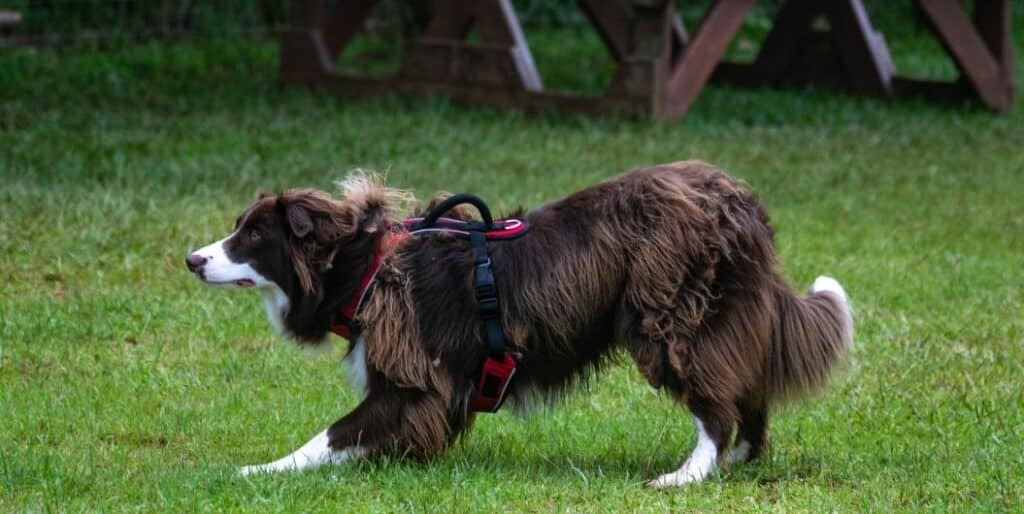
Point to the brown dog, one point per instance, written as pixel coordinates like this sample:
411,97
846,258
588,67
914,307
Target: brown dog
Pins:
674,263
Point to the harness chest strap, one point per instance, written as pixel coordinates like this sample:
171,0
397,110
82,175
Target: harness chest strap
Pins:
500,365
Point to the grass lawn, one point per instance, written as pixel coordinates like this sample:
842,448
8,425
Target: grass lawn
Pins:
126,385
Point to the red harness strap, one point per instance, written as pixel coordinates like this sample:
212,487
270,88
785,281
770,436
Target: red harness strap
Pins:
341,324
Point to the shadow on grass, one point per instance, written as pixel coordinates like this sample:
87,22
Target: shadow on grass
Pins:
531,467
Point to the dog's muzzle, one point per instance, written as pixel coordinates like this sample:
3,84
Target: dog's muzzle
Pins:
195,262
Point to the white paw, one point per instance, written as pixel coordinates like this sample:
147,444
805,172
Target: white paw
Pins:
739,453
253,470
675,479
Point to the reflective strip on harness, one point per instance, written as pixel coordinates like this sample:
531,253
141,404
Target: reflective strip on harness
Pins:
501,229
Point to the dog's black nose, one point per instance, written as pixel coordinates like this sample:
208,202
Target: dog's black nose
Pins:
194,261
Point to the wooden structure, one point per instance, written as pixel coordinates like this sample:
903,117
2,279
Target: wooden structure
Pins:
660,67
9,18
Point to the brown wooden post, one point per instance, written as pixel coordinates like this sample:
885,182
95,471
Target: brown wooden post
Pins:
993,19
780,47
865,54
501,61
970,52
304,55
498,24
453,20
611,23
9,18
640,77
700,57
344,23
679,36
794,51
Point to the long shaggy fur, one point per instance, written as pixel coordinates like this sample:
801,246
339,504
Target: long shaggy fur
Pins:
674,264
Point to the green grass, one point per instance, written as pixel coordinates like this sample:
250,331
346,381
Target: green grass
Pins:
125,385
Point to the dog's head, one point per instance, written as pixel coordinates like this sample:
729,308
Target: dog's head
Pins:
289,241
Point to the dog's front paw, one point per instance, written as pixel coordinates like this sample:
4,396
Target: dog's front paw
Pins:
253,470
676,479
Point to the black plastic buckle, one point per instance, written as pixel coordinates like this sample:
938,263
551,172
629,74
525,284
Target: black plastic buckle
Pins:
488,308
483,279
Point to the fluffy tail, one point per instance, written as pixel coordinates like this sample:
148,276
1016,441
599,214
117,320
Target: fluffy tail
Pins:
811,334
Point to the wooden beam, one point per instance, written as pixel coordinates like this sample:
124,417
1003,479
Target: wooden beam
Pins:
679,36
498,24
502,57
344,23
790,27
9,18
306,14
865,55
698,60
477,94
613,25
611,22
453,20
640,76
304,54
945,91
969,52
993,19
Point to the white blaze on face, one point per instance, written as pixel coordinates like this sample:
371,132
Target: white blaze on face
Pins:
220,270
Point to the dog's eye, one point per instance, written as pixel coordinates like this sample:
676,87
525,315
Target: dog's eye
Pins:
254,235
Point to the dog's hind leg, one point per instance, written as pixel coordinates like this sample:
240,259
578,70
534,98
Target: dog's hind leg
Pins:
714,425
752,433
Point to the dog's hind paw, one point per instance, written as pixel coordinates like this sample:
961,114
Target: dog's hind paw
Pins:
740,453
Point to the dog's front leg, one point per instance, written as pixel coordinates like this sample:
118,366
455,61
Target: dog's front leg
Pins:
408,421
334,445
316,452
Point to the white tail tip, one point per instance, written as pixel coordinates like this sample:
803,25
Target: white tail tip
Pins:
829,284
832,285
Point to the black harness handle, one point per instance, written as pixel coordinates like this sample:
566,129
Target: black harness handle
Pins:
483,276
500,365
449,203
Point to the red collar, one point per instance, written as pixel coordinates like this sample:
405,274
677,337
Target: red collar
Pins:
341,323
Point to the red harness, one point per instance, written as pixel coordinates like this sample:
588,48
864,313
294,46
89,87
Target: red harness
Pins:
342,322
500,366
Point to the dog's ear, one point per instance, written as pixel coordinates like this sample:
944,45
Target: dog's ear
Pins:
313,216
299,220
318,225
